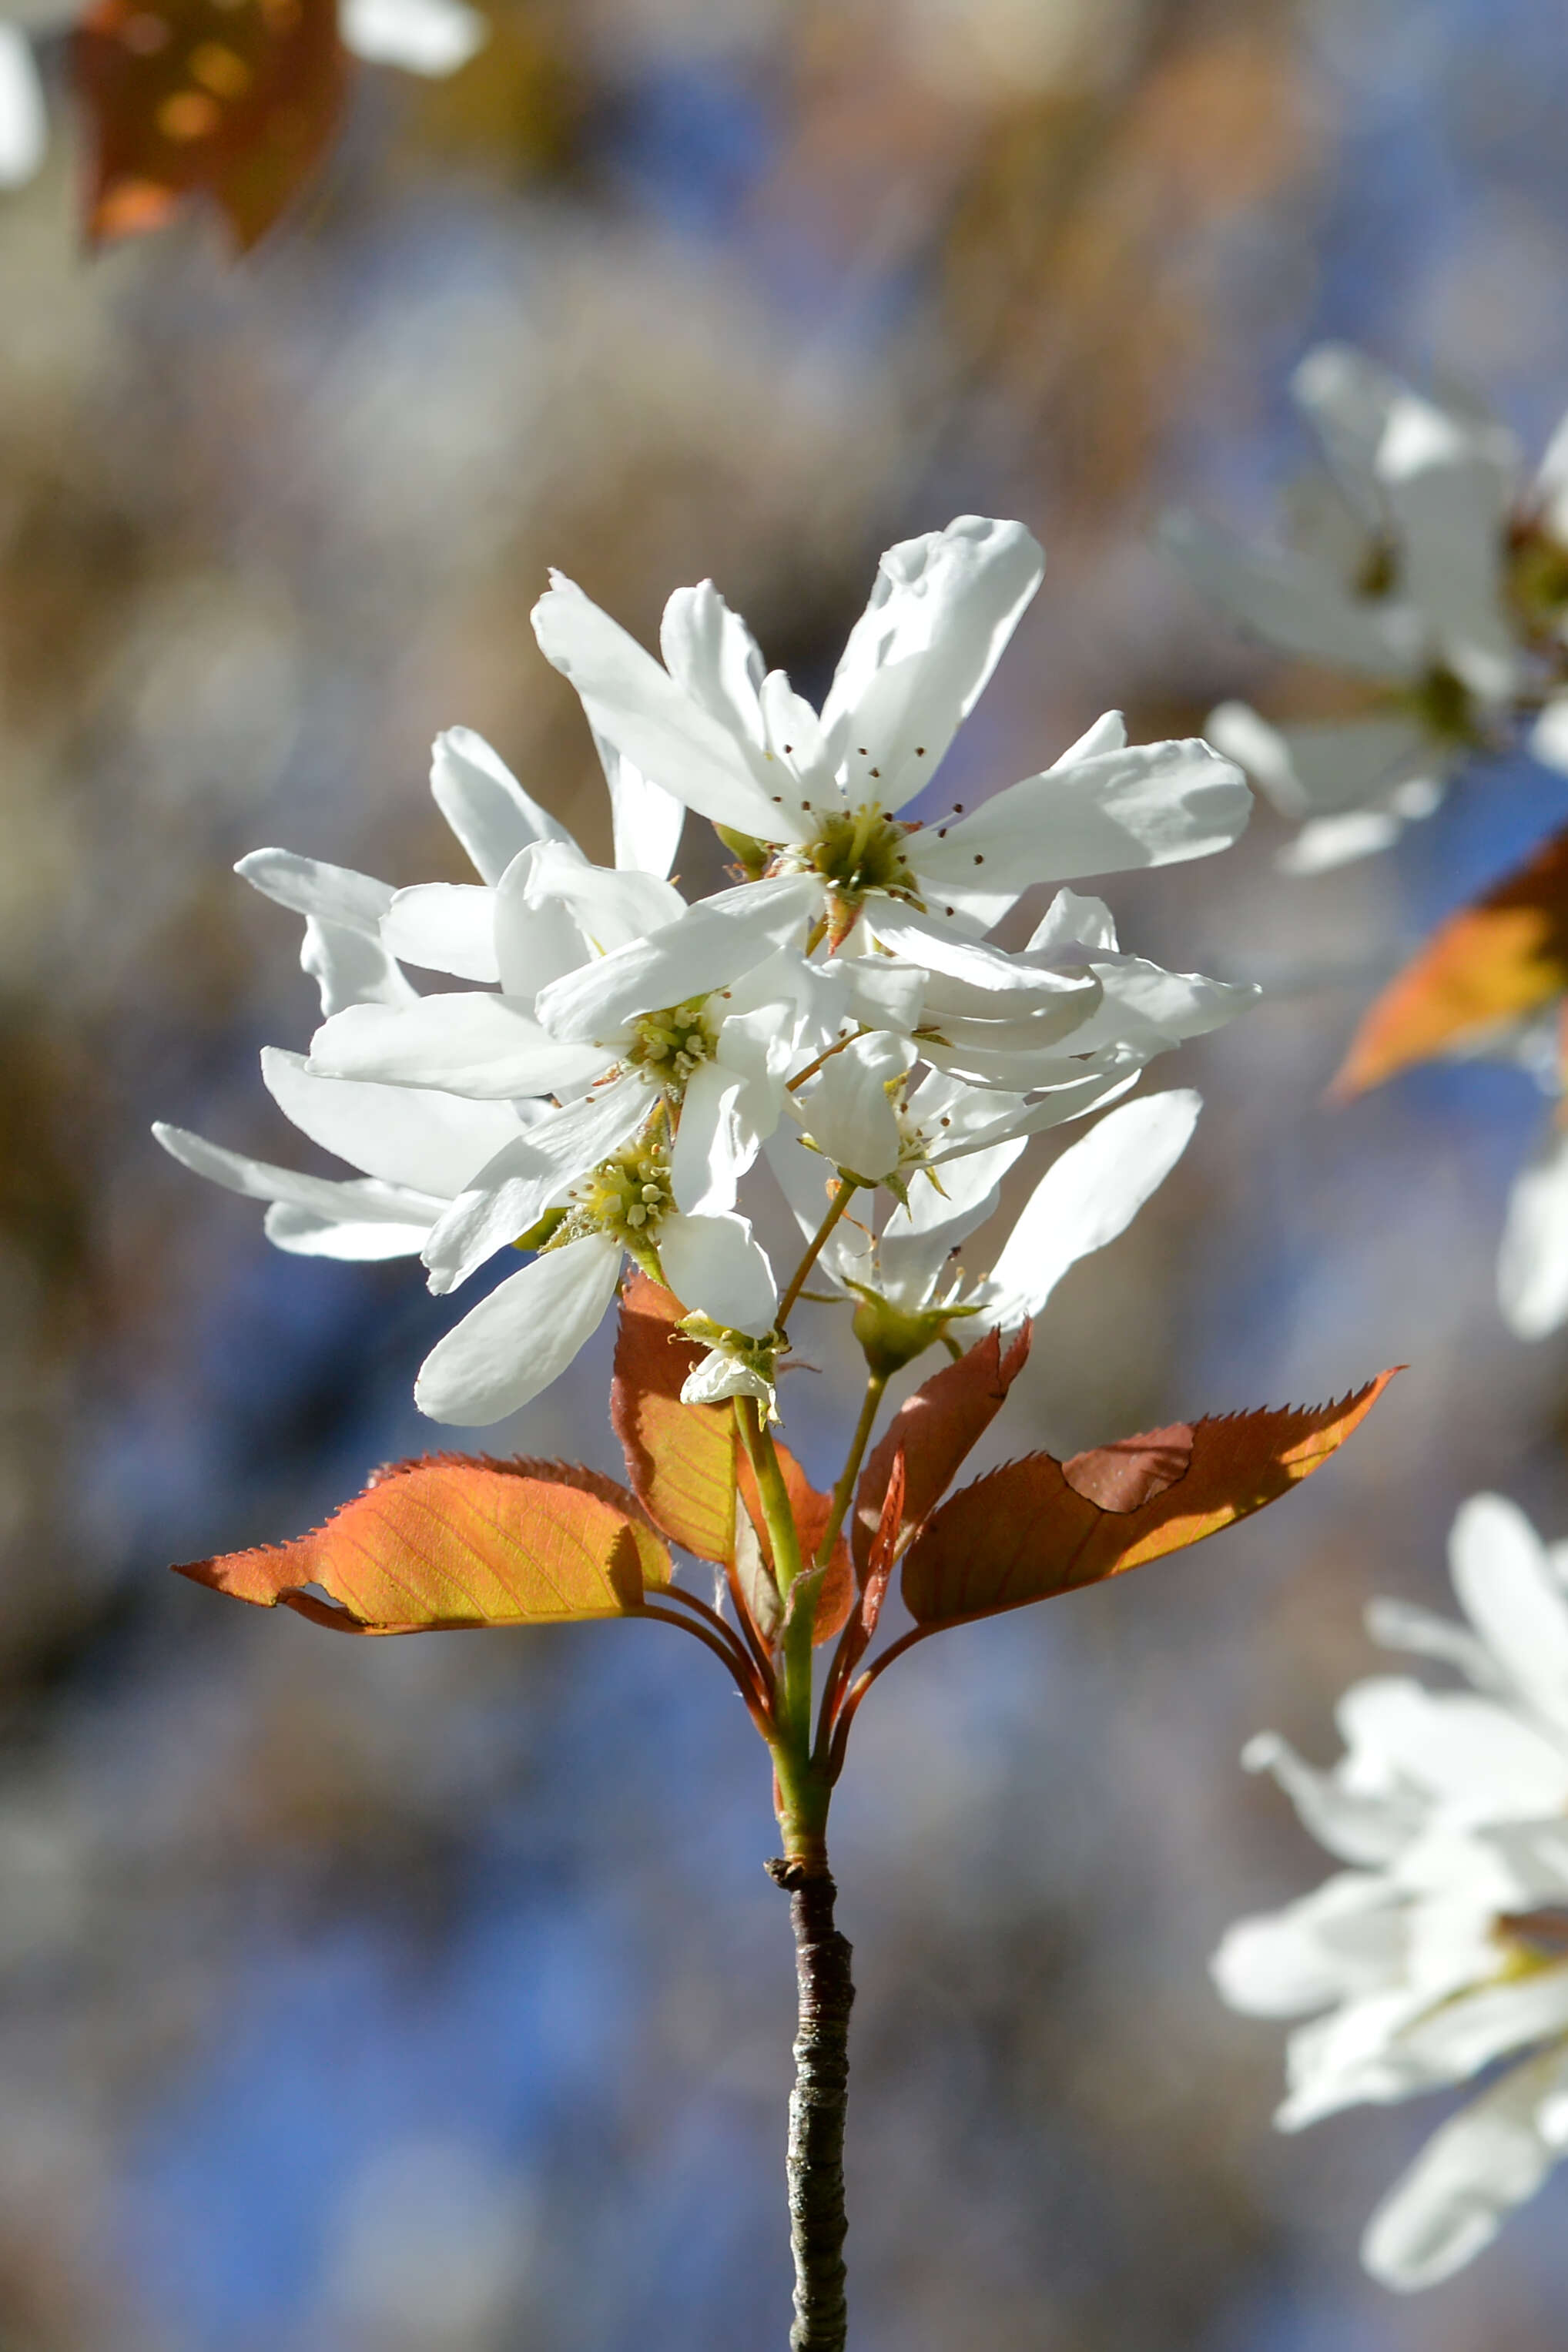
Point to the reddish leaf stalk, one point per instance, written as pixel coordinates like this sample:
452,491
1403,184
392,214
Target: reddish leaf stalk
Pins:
817,2108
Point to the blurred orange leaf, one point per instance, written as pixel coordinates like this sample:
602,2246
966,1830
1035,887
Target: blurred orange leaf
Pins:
1504,956
232,100
935,1431
1039,1526
458,1541
680,1458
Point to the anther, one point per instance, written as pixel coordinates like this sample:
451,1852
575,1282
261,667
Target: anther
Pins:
636,1215
978,860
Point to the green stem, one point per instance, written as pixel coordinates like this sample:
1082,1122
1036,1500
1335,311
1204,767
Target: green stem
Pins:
840,1201
870,1405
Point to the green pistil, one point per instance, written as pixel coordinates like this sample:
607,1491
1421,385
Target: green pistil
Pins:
1443,704
1537,577
672,1045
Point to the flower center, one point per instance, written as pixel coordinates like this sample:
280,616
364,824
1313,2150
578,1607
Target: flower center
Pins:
626,1196
856,851
1444,705
674,1043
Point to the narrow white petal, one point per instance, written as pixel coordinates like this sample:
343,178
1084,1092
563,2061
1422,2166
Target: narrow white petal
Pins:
1149,1009
1467,2178
710,944
467,1043
1510,1596
433,37
351,967
1549,736
510,1347
1348,398
535,1173
1071,921
483,803
444,927
1295,604
536,940
846,1110
24,126
988,981
940,617
407,1135
1326,769
1449,491
305,1232
1328,842
1483,1761
1354,1826
333,894
1341,1940
648,820
803,1178
1053,1109
610,906
716,1267
1089,1196
1532,1259
639,708
916,1240
1405,1626
357,1201
713,657
1152,804
713,1145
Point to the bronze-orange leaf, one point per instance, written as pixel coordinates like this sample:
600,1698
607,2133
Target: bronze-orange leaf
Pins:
458,1541
1504,957
1028,1531
680,1458
934,1430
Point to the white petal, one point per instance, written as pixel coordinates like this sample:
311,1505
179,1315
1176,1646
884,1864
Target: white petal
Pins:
803,1178
407,1135
24,126
356,1202
536,940
350,967
941,614
509,1348
713,657
1150,1010
424,37
1348,398
648,820
610,906
467,1044
1071,921
882,992
1467,2179
334,894
642,710
1481,1762
305,1232
444,927
717,1377
1510,1596
1152,804
845,1107
1323,770
713,1146
1295,604
916,1240
1356,1827
1403,1625
483,803
510,1193
1532,1259
1450,497
1056,1105
1331,841
1549,736
1341,1940
1463,2034
716,1267
711,943
976,979
1089,1196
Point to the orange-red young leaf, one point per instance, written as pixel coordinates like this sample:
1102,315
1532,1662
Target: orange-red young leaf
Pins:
880,1562
231,100
1504,957
680,1458
1040,1526
812,1509
458,1541
934,1430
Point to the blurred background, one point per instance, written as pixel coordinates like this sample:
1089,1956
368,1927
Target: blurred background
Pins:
428,1995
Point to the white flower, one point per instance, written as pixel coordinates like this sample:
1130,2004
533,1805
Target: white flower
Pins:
1087,1196
1442,1947
424,37
819,794
1426,567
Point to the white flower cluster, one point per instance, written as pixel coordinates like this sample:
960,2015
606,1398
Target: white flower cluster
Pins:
1442,1947
619,1058
1427,567
432,38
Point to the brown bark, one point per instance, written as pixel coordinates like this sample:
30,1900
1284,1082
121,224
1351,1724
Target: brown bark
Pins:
817,2110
